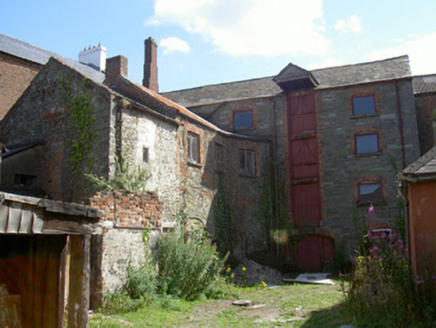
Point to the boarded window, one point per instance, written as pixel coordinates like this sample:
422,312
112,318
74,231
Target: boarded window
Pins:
247,163
243,120
363,105
218,156
193,148
370,193
367,144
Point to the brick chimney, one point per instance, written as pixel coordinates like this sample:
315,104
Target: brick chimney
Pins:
115,67
150,65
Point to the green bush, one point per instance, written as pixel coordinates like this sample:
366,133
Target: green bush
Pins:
120,302
142,282
188,264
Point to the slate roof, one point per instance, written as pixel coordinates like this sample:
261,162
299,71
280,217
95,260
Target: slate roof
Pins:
376,71
425,166
218,93
424,84
24,50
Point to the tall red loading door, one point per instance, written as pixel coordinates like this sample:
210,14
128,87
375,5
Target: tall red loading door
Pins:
304,161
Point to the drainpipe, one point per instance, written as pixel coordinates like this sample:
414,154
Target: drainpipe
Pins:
275,171
400,124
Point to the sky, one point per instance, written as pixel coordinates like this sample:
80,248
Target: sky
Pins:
202,42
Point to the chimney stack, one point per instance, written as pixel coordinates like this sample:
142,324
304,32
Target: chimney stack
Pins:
150,65
115,67
94,56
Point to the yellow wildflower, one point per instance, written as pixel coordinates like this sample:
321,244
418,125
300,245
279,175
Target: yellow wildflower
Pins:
232,276
244,269
228,269
264,284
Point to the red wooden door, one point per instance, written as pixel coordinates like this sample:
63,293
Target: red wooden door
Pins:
313,252
304,167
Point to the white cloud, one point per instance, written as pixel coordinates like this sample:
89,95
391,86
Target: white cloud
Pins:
350,24
173,44
250,27
420,49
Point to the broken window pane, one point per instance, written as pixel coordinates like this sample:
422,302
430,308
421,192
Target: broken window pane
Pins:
370,193
193,148
247,163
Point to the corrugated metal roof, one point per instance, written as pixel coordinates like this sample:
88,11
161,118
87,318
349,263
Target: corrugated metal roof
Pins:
425,165
377,71
37,55
424,84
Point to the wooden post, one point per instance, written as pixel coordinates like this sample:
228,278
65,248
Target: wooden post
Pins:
78,300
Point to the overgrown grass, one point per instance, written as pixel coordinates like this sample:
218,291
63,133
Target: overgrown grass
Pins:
288,306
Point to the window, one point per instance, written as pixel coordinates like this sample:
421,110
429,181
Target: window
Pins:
218,156
22,180
370,193
145,155
243,120
363,105
193,148
247,163
367,144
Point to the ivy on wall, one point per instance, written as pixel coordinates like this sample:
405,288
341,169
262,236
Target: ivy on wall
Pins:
81,131
223,221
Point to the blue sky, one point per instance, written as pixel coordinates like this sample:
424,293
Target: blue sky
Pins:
213,41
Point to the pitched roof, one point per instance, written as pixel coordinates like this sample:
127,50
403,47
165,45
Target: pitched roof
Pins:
382,70
425,166
26,51
217,93
424,84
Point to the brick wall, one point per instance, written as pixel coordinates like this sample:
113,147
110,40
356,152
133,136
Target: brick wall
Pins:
129,210
15,76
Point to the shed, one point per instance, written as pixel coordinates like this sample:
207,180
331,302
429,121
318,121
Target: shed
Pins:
45,261
419,188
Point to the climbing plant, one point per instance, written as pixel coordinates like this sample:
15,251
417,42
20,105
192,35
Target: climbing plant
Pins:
81,130
223,221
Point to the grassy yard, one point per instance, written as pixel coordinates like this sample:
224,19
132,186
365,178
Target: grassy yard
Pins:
284,306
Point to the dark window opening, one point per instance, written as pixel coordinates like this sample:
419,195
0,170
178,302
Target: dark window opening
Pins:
247,163
363,105
218,156
193,148
367,144
22,180
243,120
145,155
370,193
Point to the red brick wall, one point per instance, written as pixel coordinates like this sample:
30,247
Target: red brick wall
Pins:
128,209
15,76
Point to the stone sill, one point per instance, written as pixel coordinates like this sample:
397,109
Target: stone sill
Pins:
355,117
368,154
379,203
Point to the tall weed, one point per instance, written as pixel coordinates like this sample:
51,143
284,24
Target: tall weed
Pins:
188,264
382,287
